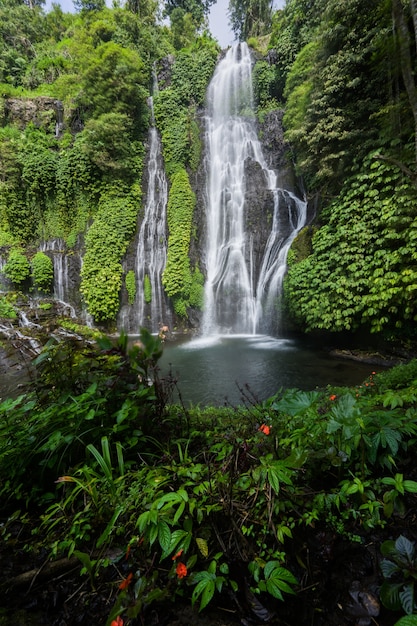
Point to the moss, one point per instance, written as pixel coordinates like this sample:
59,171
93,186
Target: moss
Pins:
301,247
177,278
130,282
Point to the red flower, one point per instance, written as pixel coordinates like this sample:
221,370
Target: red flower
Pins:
265,429
117,622
181,570
126,582
332,397
176,556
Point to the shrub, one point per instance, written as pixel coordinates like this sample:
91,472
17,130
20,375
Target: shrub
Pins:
42,272
17,268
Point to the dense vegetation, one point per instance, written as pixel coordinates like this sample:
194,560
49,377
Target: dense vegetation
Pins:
82,177
160,504
156,504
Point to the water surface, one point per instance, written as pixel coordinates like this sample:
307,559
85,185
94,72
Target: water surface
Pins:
215,370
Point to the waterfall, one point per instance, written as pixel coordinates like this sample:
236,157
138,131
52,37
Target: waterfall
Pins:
239,295
60,260
150,308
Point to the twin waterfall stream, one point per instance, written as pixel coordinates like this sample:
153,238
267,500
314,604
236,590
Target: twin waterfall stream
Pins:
239,298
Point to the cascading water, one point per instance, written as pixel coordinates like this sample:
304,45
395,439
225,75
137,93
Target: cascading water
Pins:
60,260
151,309
239,295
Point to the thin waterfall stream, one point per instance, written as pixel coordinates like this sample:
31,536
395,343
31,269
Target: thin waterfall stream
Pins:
240,297
151,309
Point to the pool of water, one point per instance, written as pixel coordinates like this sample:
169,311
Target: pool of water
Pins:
222,369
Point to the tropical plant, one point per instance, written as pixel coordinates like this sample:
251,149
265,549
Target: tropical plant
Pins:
399,569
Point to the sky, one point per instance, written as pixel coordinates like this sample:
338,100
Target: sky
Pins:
218,20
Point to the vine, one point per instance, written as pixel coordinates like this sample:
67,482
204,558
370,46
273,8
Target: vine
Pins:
130,283
106,243
177,277
362,269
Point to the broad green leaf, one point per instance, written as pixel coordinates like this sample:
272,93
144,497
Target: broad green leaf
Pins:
179,512
269,567
164,535
273,589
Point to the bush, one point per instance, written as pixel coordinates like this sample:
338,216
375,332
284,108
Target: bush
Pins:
17,268
42,272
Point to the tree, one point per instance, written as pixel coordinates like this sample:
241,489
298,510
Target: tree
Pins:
341,88
250,18
86,6
199,9
114,82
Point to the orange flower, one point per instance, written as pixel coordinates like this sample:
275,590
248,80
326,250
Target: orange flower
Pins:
117,622
332,397
126,582
265,429
181,570
176,556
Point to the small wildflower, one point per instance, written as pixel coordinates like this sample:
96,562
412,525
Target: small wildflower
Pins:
332,397
176,556
117,622
126,582
181,570
265,429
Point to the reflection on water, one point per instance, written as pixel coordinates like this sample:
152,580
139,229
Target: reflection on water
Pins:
212,371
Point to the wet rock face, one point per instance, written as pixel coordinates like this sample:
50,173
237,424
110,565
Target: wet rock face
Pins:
42,111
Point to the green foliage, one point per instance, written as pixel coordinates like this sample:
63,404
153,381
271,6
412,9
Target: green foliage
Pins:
334,90
17,268
106,142
81,394
147,289
106,242
175,107
198,9
180,209
265,82
249,18
113,83
42,272
130,282
360,272
163,487
7,310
